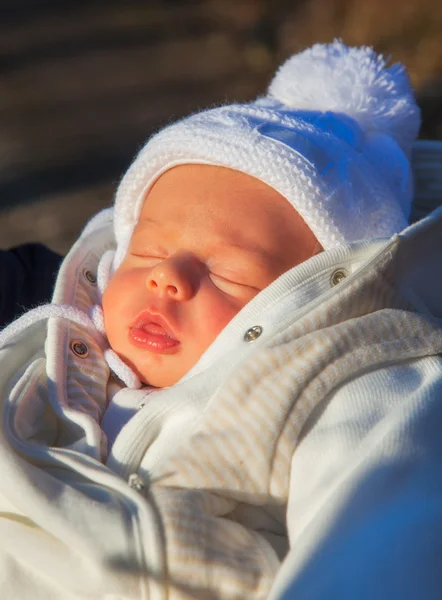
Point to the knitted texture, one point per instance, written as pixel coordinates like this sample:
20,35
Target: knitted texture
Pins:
333,136
378,97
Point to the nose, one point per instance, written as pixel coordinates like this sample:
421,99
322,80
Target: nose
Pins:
175,277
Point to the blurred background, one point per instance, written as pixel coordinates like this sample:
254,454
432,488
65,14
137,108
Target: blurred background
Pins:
84,83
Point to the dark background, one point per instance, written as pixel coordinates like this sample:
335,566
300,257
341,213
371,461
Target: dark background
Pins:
83,84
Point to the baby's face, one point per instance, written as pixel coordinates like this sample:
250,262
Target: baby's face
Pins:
208,240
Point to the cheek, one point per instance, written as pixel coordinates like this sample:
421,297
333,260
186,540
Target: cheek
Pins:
117,301
215,315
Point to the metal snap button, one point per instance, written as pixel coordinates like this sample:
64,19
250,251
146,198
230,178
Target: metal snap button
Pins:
90,276
253,333
79,348
338,276
135,482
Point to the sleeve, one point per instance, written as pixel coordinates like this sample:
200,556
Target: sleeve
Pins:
27,276
365,506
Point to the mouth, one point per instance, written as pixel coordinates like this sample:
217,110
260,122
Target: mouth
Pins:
151,332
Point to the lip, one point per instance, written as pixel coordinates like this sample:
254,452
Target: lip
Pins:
153,333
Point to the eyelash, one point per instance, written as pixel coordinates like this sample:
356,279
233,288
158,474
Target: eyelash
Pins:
147,256
229,282
221,278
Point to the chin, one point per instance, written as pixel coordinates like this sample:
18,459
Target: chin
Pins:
156,377
158,381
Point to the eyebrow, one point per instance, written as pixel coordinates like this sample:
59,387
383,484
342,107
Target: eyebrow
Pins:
148,220
246,247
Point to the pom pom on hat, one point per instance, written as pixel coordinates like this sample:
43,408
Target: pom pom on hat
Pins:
353,81
333,136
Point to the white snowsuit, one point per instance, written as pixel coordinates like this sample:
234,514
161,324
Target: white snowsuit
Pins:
301,457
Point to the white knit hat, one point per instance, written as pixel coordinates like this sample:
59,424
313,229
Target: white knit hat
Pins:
333,136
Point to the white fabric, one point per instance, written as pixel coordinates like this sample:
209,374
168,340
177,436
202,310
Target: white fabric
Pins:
366,522
72,527
333,136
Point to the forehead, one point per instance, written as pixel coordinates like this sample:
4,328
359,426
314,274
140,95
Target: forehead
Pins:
207,195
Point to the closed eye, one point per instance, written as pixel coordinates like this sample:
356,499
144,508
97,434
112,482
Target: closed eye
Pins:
146,255
148,259
228,285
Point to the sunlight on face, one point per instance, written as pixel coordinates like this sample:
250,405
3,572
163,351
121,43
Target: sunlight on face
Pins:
208,240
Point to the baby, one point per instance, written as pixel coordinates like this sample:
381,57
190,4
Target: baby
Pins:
206,200
225,354
208,240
